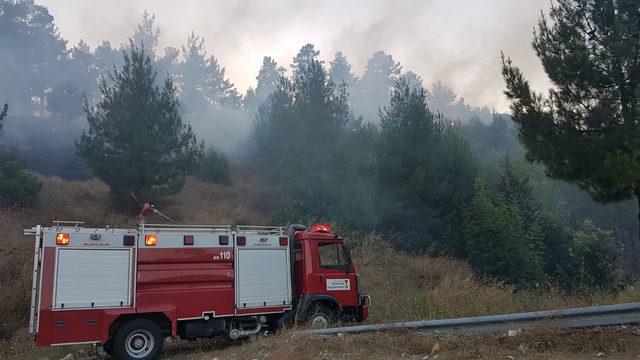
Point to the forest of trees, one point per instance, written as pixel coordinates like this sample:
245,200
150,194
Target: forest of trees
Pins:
379,152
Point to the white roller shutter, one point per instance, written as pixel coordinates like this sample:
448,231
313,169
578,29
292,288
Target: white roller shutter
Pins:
263,277
89,278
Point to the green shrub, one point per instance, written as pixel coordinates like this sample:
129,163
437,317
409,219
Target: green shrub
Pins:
499,244
18,188
214,167
594,261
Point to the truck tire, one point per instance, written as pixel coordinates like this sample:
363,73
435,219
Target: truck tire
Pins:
321,316
138,339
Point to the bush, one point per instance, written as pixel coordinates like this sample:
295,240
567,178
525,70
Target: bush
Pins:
18,188
214,167
593,260
499,244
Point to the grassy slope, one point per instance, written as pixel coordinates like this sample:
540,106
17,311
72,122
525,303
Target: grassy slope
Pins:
410,287
403,286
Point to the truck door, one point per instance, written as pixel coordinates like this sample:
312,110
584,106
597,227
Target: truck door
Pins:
336,275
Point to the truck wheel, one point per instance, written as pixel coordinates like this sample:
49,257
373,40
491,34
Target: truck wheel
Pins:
321,316
138,339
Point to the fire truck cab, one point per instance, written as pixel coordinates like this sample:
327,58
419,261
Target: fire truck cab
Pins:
129,289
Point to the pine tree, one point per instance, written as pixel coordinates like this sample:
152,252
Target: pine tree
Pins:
147,34
516,189
374,89
268,77
65,100
340,71
34,54
83,66
413,79
18,187
587,131
426,171
107,58
356,185
383,70
308,111
167,64
202,79
441,95
490,140
137,141
444,100
250,102
305,57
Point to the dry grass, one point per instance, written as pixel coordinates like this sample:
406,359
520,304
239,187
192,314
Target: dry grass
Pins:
203,203
198,202
15,275
411,287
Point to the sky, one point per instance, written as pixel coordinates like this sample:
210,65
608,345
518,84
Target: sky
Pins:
456,41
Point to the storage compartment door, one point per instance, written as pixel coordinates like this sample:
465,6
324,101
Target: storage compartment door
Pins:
87,278
263,278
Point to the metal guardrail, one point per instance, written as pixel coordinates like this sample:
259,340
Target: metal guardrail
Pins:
566,318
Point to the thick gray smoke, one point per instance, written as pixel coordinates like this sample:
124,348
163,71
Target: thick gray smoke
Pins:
225,58
457,42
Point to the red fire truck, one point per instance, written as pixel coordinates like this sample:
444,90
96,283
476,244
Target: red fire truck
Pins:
128,289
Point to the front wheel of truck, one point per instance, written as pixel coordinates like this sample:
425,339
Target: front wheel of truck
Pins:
321,316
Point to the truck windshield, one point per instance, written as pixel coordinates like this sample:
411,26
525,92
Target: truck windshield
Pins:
332,255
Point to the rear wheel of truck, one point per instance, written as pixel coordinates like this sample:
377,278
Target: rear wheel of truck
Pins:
321,316
138,339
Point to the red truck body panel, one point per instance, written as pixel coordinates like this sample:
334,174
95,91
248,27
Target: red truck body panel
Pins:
185,281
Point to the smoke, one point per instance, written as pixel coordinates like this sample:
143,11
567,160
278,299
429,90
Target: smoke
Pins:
458,42
224,129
